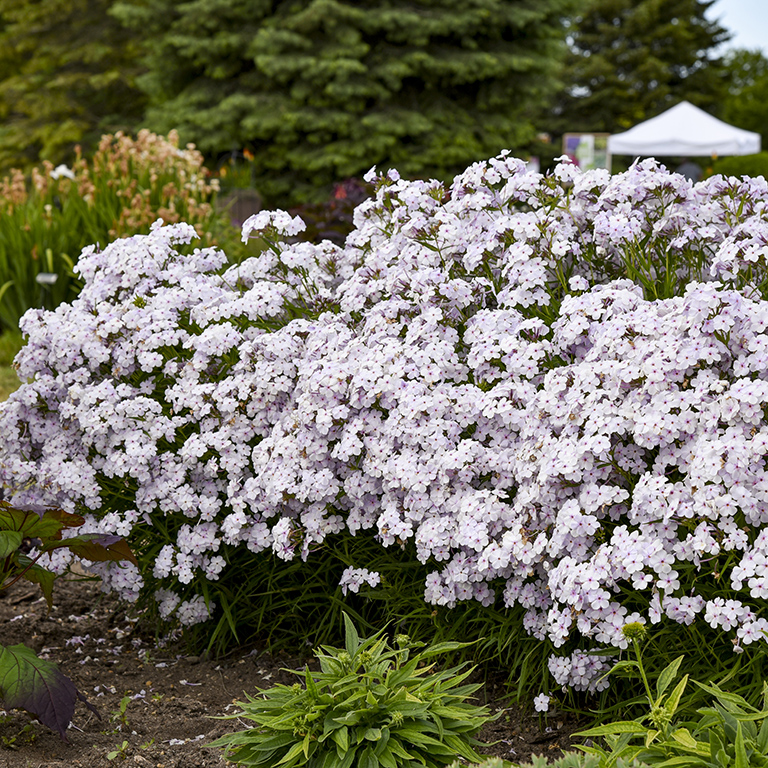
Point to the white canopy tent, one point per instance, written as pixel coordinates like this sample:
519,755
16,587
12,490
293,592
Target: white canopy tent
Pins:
686,131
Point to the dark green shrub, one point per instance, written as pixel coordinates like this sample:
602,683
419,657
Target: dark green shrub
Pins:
743,165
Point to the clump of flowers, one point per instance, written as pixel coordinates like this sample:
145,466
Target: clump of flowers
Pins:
131,181
554,386
50,216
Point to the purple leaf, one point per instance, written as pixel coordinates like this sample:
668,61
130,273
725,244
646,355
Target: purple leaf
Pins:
38,686
98,547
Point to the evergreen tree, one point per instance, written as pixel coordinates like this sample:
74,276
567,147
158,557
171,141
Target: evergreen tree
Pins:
321,90
66,76
746,105
630,60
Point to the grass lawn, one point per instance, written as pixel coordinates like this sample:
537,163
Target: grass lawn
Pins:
9,382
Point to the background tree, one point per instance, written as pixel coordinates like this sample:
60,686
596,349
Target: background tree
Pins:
746,104
630,60
321,90
66,76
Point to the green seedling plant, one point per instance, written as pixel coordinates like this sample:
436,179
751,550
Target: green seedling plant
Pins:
119,715
730,733
26,735
120,750
26,681
369,706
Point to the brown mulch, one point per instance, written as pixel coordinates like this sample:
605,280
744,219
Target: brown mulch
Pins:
173,697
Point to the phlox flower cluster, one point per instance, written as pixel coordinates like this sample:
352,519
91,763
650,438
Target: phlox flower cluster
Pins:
480,371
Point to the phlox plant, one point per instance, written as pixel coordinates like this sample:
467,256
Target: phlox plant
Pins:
550,389
50,216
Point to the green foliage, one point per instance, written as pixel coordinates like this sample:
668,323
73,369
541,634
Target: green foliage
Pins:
67,75
633,59
742,165
49,218
568,760
9,382
10,343
321,90
26,735
746,104
285,606
729,732
27,682
370,705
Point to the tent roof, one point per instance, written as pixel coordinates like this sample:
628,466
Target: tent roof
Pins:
687,131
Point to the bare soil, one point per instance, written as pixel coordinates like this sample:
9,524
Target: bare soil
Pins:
173,699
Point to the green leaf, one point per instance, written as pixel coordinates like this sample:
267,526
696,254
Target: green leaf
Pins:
675,696
349,758
351,638
460,747
274,742
624,664
351,718
341,737
730,723
417,737
441,648
10,541
386,758
383,741
397,749
620,726
725,698
762,737
681,760
668,674
38,686
6,285
292,753
715,745
741,760
38,575
409,709
368,759
310,683
42,523
684,737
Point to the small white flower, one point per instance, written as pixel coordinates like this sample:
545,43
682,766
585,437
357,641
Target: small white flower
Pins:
62,170
541,703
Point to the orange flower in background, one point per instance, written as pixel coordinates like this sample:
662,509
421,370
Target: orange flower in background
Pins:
248,155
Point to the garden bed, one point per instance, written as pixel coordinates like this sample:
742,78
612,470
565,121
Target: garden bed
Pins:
168,718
